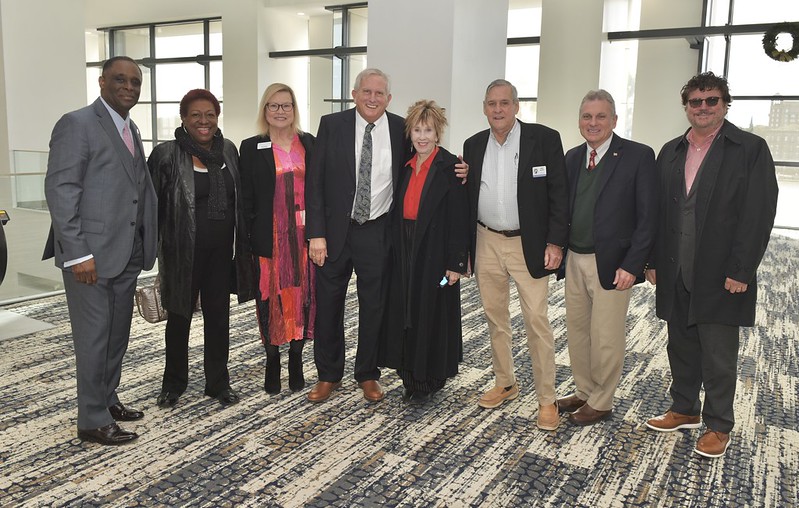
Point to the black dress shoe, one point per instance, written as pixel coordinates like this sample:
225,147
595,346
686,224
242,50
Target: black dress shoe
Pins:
407,393
111,434
227,397
419,397
167,398
121,413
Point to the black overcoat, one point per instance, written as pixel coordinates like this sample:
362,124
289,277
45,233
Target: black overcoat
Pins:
422,327
735,208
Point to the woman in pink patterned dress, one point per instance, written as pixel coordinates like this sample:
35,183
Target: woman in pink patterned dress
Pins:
272,166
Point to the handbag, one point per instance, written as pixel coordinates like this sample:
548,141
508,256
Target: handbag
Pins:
148,302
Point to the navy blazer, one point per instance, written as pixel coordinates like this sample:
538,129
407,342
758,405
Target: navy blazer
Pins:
543,202
330,178
625,213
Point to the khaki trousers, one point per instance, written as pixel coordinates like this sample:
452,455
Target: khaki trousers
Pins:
498,258
595,330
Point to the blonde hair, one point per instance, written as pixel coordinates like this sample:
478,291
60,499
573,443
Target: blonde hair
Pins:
263,125
426,112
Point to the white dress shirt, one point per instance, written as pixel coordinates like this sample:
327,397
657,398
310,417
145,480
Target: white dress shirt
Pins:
497,207
382,177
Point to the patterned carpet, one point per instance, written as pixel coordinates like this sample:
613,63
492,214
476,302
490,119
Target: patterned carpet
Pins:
283,451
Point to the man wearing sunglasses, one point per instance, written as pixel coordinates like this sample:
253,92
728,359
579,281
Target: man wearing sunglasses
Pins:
717,202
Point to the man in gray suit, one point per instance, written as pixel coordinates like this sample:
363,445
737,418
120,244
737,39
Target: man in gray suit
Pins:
104,213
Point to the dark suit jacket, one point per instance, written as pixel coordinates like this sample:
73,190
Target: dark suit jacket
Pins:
257,168
93,195
625,213
543,202
735,208
330,179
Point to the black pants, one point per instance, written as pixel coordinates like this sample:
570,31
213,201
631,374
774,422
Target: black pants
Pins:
702,355
211,280
366,250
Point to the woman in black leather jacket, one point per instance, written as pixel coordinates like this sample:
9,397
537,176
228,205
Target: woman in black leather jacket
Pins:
200,246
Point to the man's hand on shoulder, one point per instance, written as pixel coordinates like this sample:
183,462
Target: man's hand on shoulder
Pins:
462,169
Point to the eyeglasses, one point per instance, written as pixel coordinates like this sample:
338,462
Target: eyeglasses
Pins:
273,107
710,101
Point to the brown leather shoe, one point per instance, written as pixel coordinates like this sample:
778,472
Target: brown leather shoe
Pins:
322,390
371,390
570,404
587,415
672,421
712,444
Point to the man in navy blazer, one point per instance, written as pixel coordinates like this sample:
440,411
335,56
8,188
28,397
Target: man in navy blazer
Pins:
518,212
717,201
612,189
104,212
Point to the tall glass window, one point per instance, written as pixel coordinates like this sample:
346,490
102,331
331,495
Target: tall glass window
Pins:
522,56
174,58
765,92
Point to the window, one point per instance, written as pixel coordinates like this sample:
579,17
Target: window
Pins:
174,58
523,54
765,92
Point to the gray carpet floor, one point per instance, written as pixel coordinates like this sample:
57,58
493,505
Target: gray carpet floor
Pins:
283,451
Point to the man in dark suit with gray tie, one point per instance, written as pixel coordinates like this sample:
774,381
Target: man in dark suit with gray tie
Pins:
612,189
349,192
104,226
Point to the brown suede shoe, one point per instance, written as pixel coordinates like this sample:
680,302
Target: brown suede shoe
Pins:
587,415
712,444
672,421
371,390
322,390
570,404
548,418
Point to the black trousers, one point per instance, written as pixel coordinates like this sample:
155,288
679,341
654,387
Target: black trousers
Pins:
702,355
366,250
211,280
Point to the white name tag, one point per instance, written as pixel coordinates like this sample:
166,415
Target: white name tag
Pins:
264,145
539,171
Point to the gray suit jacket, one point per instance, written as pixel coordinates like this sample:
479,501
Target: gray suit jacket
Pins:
92,192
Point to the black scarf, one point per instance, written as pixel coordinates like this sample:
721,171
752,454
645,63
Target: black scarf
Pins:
213,160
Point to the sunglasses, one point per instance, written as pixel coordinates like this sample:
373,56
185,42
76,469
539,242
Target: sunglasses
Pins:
710,101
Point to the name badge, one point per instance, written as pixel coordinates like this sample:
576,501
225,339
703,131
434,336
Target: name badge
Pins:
539,171
264,145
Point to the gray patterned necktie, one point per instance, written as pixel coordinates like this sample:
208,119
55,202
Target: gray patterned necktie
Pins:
363,194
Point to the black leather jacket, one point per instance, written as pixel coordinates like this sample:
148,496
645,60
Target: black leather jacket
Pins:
172,172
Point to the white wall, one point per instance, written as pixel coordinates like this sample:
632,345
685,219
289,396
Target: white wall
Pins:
47,64
445,50
571,37
664,66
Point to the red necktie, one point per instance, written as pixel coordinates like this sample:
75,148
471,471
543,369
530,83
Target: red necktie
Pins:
592,160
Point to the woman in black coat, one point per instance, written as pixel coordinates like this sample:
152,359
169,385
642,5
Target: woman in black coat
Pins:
273,167
422,335
200,244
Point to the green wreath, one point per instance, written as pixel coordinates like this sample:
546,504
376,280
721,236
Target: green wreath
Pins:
770,42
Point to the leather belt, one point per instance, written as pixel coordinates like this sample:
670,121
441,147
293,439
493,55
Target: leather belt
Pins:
508,232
